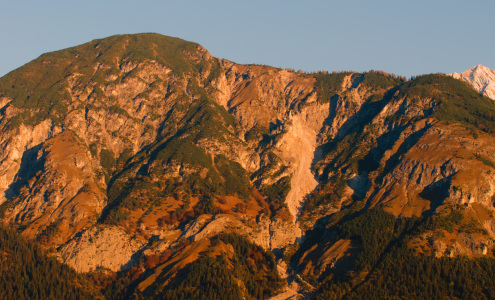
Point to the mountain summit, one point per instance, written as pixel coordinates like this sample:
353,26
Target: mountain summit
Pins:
481,78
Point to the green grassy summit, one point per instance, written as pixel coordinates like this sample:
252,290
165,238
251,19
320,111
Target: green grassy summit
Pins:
40,85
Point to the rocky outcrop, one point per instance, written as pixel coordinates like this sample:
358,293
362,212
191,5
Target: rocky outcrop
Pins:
422,176
107,247
269,234
13,146
259,95
283,234
57,187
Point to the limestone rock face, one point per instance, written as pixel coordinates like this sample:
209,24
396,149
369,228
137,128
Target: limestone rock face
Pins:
283,234
260,95
194,227
107,247
14,145
260,234
56,186
266,233
221,223
425,177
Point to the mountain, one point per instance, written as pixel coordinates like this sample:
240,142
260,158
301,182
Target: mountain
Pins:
481,78
159,170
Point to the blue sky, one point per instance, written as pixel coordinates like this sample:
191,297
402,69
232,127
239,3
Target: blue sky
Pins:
402,37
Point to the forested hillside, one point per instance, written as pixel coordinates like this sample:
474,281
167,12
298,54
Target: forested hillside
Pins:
28,273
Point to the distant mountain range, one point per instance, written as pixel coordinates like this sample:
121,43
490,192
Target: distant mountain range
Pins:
161,172
481,78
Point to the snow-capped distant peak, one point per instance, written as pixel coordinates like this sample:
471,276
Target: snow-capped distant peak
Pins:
481,78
